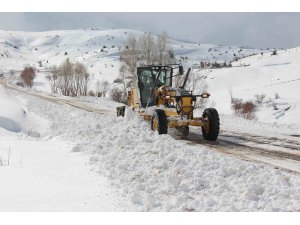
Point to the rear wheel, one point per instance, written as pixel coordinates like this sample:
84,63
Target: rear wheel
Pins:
159,121
211,130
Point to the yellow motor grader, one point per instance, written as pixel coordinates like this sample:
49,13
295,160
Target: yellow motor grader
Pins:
157,100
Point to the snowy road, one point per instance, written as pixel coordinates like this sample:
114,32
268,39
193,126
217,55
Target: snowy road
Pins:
285,155
281,152
73,103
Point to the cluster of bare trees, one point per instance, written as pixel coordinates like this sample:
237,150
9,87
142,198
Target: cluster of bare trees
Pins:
148,50
28,75
70,79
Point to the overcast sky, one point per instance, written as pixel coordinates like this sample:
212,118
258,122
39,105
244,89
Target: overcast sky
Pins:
258,30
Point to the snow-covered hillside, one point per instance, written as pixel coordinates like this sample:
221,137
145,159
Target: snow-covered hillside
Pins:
275,76
97,49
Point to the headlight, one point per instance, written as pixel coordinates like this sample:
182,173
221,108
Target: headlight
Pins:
205,95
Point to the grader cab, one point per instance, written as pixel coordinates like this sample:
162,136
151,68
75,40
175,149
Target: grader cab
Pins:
157,100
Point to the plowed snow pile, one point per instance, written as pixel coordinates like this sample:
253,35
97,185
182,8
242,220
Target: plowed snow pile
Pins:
38,172
159,173
15,118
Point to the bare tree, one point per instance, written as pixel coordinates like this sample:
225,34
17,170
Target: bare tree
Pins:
53,79
259,98
80,80
102,88
65,74
118,95
161,48
149,49
131,55
28,75
70,79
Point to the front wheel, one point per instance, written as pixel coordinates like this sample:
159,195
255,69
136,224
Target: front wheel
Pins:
159,122
211,130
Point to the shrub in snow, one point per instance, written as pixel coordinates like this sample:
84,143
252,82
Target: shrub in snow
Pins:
20,84
274,105
118,95
91,93
5,162
243,109
28,75
259,98
118,81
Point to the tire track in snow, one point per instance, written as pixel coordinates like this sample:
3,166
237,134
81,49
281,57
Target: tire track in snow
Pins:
57,100
277,158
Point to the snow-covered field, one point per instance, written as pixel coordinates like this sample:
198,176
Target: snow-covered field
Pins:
56,157
275,76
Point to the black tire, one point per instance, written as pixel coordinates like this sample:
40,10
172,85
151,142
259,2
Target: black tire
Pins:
121,111
162,121
211,132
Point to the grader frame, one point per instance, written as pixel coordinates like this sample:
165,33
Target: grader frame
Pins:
155,98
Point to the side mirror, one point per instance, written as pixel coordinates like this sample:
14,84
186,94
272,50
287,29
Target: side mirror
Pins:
181,72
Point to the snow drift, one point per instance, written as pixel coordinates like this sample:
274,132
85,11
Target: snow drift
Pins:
15,118
12,116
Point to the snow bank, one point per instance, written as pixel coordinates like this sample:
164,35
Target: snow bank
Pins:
15,118
159,173
11,114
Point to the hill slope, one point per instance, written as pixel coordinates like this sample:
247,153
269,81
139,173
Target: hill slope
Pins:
275,76
98,49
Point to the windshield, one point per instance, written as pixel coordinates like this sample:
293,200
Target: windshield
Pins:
147,77
164,78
